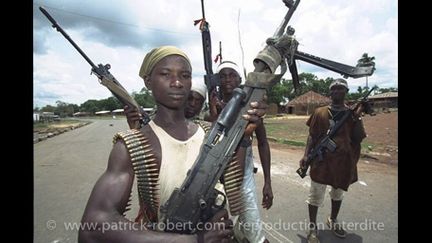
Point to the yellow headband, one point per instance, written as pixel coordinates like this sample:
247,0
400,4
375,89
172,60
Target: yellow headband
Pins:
155,55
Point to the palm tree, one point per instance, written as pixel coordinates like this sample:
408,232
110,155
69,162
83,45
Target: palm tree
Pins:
364,61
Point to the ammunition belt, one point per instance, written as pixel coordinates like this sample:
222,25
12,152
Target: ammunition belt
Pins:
233,178
146,171
145,167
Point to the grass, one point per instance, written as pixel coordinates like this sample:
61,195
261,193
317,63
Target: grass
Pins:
367,146
290,142
294,132
287,131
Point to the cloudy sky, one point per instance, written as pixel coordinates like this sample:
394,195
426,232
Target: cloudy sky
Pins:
120,32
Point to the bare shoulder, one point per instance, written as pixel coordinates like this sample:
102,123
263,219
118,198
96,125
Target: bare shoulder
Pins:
119,159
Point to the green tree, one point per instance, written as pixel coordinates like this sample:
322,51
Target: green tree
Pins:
109,104
71,109
144,98
89,106
308,81
361,92
280,92
365,61
61,108
385,90
48,108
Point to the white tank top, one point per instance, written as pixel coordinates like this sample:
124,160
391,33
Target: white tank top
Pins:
177,158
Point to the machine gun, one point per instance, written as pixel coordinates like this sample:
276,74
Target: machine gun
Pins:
194,201
104,76
360,70
326,143
211,80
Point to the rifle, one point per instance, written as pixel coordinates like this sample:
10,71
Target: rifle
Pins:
211,80
219,56
104,76
194,202
326,143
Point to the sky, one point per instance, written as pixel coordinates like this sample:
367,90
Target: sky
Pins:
121,32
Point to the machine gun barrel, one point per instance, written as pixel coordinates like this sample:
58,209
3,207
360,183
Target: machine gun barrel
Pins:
343,69
292,5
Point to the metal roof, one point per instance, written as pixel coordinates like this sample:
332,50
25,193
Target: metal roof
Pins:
310,97
102,112
385,95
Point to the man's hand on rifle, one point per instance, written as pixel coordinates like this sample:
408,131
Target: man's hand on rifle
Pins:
302,162
363,107
133,116
215,106
254,115
221,229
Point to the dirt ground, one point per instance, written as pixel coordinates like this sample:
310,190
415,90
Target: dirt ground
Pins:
382,131
381,143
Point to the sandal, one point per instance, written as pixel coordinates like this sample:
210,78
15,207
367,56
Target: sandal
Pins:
312,237
336,227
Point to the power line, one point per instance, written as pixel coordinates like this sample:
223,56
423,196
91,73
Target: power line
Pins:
114,22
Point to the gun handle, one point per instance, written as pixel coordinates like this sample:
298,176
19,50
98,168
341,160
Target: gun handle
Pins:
302,172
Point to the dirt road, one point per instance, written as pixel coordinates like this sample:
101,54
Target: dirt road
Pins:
67,166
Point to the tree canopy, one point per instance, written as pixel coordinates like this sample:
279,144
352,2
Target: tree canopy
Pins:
284,90
280,94
63,109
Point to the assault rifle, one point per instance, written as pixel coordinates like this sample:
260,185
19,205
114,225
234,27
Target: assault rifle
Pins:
104,76
194,201
326,143
211,80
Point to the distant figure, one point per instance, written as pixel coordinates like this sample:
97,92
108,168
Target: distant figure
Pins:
338,169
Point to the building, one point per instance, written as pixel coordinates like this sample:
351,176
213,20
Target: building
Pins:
81,113
36,117
121,111
103,113
384,101
46,116
118,112
306,103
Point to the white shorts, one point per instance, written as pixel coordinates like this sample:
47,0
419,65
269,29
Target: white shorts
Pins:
317,193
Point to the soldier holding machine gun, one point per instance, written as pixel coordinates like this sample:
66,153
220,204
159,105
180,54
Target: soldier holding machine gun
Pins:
333,157
158,156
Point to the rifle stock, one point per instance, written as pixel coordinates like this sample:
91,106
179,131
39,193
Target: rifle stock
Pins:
104,76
